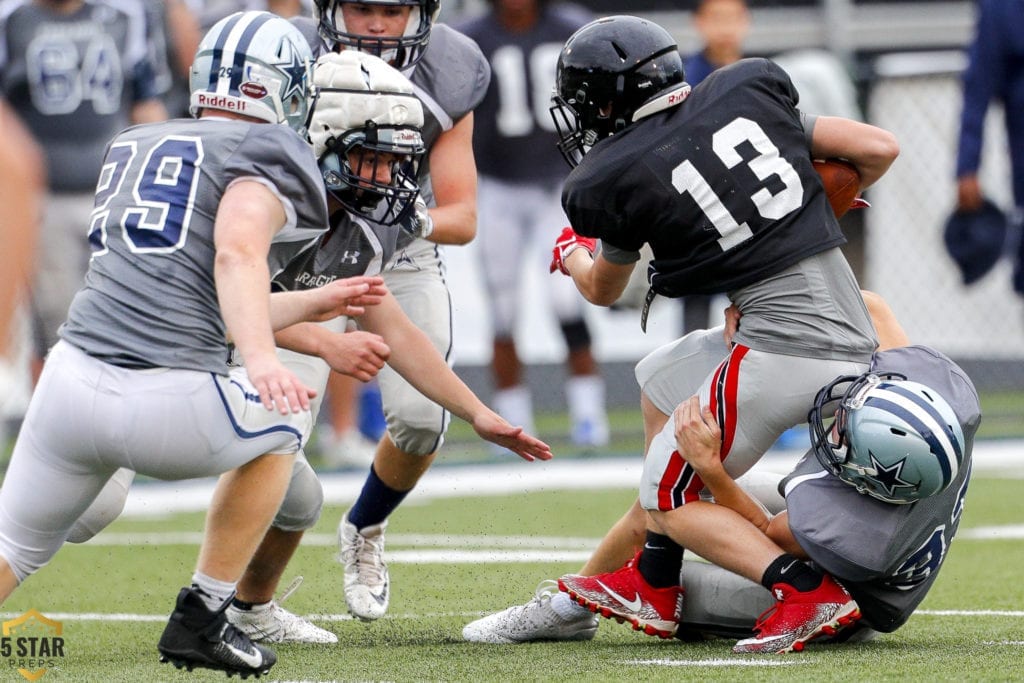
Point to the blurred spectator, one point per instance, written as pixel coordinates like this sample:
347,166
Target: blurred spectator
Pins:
520,214
723,25
995,71
76,73
212,11
173,38
22,180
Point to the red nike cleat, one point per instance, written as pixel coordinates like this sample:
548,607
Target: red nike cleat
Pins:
624,595
799,617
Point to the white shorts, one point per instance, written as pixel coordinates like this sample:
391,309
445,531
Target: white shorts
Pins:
756,396
88,418
416,278
519,223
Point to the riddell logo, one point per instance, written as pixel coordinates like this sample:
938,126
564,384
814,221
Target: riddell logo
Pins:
677,97
32,643
220,102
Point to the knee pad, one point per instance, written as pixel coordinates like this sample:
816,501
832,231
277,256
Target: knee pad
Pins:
303,501
418,428
105,509
576,333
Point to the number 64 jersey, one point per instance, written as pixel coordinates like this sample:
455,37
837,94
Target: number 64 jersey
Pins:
149,298
721,186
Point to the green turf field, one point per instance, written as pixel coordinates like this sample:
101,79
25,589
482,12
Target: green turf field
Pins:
455,559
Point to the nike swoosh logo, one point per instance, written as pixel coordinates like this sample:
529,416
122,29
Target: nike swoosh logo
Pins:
635,604
648,546
253,660
788,567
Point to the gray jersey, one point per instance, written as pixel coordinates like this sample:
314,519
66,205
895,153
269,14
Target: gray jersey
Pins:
887,555
353,246
149,298
73,79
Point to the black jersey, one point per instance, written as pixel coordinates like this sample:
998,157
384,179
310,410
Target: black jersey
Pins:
721,186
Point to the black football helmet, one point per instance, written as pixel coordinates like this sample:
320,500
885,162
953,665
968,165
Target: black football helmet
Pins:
400,52
612,72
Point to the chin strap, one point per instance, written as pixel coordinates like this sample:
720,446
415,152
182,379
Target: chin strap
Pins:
669,98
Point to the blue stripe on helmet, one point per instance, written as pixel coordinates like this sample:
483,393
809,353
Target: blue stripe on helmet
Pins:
218,49
931,410
921,428
242,50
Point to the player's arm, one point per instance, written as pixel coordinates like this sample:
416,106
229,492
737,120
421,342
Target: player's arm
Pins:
870,148
418,362
699,440
453,179
599,280
356,353
345,297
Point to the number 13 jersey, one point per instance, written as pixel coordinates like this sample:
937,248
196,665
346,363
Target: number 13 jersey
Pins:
721,186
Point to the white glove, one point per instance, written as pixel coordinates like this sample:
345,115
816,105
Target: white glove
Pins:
419,224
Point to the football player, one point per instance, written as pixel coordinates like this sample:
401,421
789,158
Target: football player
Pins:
185,215
450,76
719,182
886,555
521,176
365,129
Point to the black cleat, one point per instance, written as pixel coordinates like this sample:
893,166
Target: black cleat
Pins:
197,637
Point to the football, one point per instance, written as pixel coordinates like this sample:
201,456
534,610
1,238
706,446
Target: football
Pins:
841,181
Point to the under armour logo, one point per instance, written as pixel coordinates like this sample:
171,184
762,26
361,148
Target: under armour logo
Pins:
350,257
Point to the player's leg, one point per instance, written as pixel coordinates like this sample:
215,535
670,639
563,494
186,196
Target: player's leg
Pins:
254,610
503,218
415,431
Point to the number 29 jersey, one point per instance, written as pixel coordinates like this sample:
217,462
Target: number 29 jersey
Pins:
721,186
149,298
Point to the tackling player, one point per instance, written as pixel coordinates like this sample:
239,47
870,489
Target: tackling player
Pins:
720,184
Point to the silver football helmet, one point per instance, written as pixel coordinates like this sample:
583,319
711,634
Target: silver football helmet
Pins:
257,64
400,51
893,439
365,115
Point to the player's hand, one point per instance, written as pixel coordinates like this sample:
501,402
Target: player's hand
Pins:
491,426
278,387
347,297
418,222
698,436
568,242
356,354
732,323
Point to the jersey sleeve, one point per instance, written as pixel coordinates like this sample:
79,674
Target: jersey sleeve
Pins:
276,155
458,71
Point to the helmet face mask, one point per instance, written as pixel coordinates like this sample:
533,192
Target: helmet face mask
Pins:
352,174
256,64
890,438
612,72
365,129
401,51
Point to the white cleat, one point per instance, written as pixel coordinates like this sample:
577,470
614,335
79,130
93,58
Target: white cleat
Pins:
271,623
367,583
536,620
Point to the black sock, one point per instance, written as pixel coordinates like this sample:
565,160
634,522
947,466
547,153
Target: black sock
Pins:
241,604
791,570
661,561
376,501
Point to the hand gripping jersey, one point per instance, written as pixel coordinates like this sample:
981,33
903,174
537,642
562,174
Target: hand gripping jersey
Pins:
886,555
149,298
721,186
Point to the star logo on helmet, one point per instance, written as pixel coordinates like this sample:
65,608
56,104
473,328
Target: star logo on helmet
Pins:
890,477
296,72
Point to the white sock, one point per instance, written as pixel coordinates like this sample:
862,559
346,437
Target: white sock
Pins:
585,396
565,607
515,405
213,591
